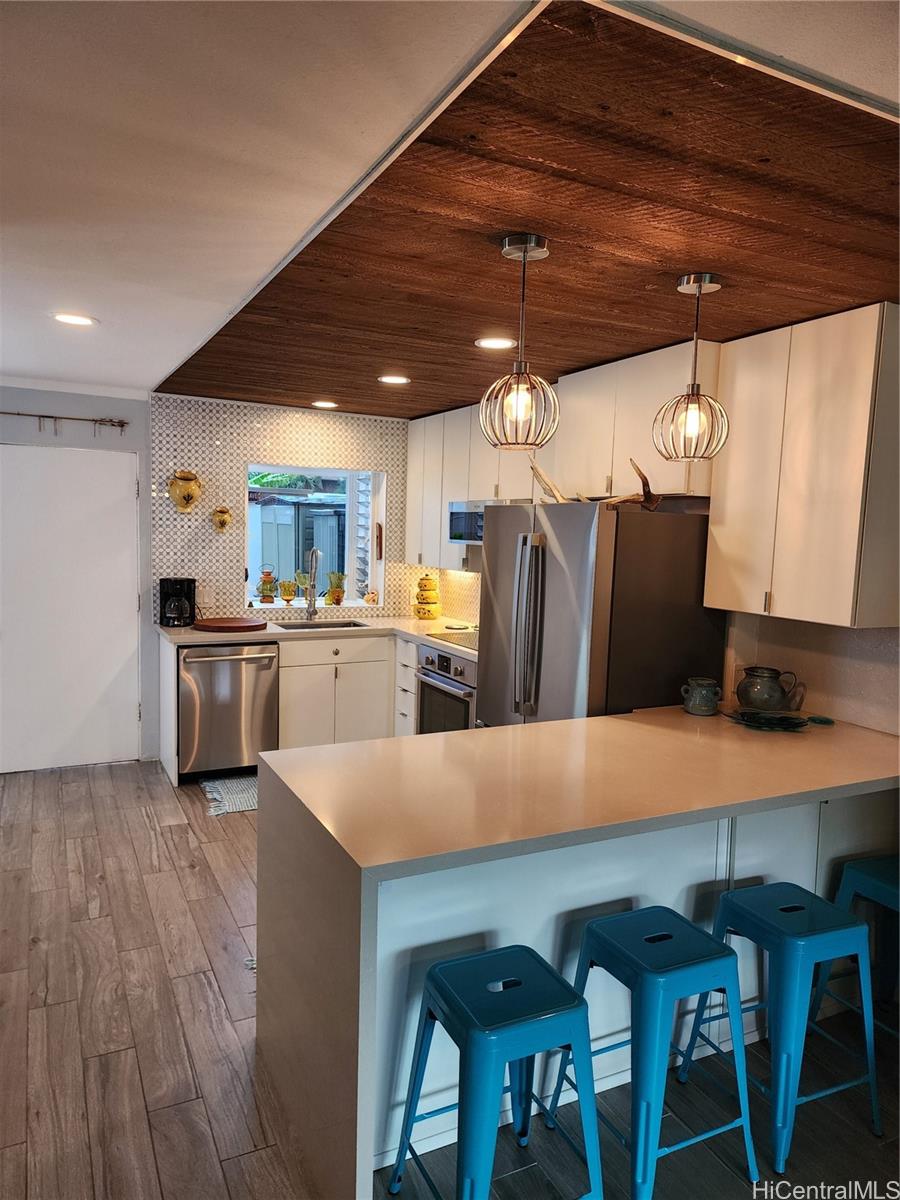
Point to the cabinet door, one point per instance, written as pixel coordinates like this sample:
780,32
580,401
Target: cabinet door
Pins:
515,480
579,456
454,481
305,706
643,385
823,466
744,495
484,461
415,448
363,706
432,467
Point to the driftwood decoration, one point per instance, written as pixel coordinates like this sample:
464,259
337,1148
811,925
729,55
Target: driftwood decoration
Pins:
547,486
647,498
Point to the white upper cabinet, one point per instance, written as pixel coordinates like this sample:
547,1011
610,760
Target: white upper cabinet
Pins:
432,509
744,498
454,480
642,385
578,458
804,509
514,480
415,450
484,461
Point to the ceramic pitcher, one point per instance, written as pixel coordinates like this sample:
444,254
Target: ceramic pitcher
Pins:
701,697
762,688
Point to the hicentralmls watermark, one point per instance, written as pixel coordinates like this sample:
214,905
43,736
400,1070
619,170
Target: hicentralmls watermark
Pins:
853,1189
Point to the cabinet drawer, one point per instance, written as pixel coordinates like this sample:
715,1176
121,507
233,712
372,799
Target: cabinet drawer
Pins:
404,703
406,677
406,653
403,725
316,651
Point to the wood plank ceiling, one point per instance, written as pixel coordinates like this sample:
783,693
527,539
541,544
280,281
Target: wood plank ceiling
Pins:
640,157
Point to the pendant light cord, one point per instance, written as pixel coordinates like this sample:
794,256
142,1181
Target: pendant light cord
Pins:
696,334
521,355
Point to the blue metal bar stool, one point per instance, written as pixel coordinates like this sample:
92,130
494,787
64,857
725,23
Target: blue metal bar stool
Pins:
798,930
661,958
872,879
501,1008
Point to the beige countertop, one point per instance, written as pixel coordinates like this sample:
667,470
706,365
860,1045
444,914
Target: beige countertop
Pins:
408,627
487,793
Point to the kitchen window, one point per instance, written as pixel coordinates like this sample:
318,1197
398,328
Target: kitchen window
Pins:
291,509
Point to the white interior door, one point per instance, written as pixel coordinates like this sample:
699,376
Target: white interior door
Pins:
69,623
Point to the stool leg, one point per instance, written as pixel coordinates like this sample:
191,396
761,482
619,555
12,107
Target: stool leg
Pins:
843,899
424,1035
587,1107
790,980
480,1094
651,1033
865,992
685,1064
521,1085
581,978
736,1024
887,944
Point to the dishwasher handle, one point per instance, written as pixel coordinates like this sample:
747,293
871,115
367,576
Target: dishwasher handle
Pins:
205,658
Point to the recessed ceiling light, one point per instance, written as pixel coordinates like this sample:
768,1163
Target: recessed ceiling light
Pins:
324,404
74,319
394,379
495,343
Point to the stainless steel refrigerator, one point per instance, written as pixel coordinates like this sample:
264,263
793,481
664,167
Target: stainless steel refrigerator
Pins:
588,610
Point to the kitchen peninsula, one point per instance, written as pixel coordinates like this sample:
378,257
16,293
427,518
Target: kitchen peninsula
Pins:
379,858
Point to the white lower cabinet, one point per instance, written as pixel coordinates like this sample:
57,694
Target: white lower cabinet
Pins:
361,709
405,703
334,690
305,706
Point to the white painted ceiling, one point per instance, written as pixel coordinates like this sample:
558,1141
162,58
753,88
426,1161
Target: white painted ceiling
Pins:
160,159
851,42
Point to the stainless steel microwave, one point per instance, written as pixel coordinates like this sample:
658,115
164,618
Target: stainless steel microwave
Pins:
466,519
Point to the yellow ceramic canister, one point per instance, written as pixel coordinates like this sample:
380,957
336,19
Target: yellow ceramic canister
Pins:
426,612
427,606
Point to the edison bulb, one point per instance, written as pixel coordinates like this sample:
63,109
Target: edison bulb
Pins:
691,422
517,404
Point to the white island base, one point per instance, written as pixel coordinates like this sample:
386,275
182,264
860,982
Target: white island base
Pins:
425,848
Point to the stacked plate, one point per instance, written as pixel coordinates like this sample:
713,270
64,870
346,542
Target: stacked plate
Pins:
784,722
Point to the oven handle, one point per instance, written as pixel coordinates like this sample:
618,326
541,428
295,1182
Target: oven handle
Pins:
441,685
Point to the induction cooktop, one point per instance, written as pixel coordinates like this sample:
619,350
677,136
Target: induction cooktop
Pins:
467,638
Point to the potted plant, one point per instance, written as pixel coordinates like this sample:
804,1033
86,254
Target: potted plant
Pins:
335,593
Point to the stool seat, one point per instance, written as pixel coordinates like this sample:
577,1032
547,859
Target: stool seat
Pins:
657,940
788,911
873,879
500,988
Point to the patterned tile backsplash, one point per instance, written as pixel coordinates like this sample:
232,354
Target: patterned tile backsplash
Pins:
218,439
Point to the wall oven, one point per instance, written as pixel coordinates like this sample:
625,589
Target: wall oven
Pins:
446,691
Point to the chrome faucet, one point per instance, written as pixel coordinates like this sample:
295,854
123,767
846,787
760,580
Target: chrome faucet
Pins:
314,555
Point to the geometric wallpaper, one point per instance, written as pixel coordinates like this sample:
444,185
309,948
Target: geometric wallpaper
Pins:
218,439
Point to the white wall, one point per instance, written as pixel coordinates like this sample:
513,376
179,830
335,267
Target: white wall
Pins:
23,430
850,674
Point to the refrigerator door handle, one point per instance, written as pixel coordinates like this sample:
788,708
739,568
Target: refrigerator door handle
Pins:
534,623
519,608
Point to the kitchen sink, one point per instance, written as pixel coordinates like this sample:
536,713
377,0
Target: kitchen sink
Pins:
309,626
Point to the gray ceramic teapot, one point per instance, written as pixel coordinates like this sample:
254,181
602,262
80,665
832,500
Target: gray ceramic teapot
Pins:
761,688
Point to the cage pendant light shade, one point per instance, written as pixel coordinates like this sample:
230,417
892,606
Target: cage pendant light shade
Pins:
692,427
521,410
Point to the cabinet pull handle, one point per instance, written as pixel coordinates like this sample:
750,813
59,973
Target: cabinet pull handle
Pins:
609,484
767,602
335,651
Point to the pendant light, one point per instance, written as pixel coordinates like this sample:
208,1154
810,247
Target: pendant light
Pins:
692,426
521,410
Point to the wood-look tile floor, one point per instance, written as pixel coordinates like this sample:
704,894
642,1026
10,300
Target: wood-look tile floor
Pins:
127,1024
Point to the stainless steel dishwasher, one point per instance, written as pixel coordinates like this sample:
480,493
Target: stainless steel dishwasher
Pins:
227,705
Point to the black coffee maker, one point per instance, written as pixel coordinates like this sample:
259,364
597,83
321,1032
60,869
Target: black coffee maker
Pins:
177,601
